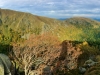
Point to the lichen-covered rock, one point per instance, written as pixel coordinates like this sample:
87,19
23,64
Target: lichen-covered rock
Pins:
67,59
5,65
47,70
82,69
70,54
94,70
90,63
1,68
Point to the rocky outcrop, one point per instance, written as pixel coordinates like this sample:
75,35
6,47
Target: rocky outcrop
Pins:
6,65
50,59
67,60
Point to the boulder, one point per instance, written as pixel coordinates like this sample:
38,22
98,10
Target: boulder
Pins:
5,65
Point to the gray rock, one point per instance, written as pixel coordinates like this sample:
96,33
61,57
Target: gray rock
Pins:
82,70
5,65
90,63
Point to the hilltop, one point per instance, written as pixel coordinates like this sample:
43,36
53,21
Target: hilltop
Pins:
24,21
90,28
14,24
82,21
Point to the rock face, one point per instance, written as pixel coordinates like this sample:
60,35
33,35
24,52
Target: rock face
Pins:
67,60
50,59
5,65
71,53
82,70
47,70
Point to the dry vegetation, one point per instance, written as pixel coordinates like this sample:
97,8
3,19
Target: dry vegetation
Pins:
43,51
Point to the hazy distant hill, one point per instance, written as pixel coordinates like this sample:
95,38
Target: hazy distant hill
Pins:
15,25
81,21
90,28
98,19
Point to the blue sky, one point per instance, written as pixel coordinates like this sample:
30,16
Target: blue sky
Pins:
55,8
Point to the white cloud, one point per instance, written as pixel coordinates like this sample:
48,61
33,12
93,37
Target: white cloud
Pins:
52,11
77,15
50,3
58,8
2,3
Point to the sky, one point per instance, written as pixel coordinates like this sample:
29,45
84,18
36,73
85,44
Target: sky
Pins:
55,8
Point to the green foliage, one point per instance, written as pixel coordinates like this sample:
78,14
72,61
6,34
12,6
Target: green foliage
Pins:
74,72
89,49
37,31
0,21
98,58
88,52
95,70
5,48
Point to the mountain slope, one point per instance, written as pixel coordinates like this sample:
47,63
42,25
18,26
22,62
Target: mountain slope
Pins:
83,22
21,20
90,28
15,25
20,24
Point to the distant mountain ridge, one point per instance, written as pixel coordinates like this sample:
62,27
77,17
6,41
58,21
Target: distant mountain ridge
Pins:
82,21
15,25
62,19
97,19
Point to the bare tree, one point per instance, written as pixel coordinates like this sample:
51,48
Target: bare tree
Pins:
37,51
26,56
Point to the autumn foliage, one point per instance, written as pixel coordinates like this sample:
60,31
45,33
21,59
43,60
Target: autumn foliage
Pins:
68,58
45,50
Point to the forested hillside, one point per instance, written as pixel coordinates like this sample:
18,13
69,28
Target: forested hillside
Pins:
16,25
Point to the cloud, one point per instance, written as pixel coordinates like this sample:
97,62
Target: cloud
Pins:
55,8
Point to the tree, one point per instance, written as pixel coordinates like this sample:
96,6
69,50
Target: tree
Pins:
25,57
36,52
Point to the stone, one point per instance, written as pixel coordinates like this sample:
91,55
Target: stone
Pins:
5,65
